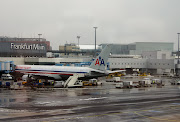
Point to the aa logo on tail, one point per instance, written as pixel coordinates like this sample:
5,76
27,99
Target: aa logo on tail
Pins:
100,61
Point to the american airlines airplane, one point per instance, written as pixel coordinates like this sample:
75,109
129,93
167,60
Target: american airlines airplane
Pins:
96,69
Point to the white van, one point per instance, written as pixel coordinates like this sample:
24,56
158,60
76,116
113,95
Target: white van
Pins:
6,77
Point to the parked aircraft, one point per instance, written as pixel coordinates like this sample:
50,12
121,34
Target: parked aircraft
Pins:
96,69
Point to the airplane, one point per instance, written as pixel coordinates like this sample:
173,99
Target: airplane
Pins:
96,69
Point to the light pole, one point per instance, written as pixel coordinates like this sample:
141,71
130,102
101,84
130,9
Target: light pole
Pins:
178,47
39,43
95,41
39,36
78,37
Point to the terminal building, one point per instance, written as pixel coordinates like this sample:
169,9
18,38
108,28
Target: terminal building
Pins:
153,62
138,48
73,49
149,57
23,47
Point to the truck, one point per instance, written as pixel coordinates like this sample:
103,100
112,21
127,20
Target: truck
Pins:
116,79
175,82
119,85
90,82
145,82
157,81
127,84
6,77
113,79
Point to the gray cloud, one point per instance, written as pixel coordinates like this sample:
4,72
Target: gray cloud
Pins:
118,21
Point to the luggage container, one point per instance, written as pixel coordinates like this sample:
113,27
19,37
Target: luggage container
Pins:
141,83
157,81
93,82
116,79
119,85
135,84
8,84
19,83
127,84
147,82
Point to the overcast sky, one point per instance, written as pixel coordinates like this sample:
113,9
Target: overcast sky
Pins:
118,21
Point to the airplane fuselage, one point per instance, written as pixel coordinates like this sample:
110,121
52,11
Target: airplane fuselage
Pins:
96,69
56,72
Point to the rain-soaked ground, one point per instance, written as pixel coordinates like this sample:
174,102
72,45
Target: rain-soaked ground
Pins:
92,104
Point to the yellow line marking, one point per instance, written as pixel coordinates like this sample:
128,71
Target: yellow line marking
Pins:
136,112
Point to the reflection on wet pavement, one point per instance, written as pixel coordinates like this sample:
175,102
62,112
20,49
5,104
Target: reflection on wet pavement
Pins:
102,103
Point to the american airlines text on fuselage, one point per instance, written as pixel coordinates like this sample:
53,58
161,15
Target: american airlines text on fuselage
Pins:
21,67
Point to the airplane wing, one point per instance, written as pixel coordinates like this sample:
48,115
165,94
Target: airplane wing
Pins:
115,71
46,76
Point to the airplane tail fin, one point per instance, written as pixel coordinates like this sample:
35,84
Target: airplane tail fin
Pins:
100,62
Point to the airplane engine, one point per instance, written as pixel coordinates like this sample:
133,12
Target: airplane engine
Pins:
25,77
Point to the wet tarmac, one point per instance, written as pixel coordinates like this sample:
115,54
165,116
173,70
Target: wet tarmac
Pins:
91,104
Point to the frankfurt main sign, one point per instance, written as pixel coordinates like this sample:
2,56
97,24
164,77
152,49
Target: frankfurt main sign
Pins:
27,46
